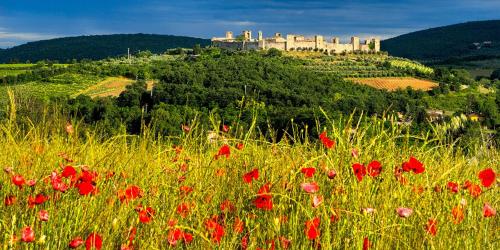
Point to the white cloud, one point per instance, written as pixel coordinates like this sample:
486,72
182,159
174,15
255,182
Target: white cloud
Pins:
25,36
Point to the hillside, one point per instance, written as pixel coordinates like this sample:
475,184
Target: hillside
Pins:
459,41
95,47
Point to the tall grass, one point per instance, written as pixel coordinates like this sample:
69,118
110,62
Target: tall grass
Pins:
154,164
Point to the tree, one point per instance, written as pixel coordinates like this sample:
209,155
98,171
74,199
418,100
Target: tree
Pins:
197,49
273,52
495,74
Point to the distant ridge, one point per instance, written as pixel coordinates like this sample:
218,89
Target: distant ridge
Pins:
95,47
458,41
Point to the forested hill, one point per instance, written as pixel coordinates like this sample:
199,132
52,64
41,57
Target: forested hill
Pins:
463,40
95,47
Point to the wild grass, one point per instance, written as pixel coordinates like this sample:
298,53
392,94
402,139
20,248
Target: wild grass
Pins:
156,166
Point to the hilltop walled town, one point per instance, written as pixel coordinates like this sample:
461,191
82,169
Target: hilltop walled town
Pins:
294,42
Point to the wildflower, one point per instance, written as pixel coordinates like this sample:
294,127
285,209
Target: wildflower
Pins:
146,215
354,153
27,234
93,240
252,175
215,229
226,206
488,211
43,215
359,171
18,180
225,128
317,200
413,165
85,188
452,186
487,177
404,212
76,242
331,174
240,146
285,243
366,243
185,128
9,200
374,168
31,183
68,172
431,227
474,190
131,193
310,187
238,226
57,183
368,210
308,172
223,151
183,209
176,235
311,228
327,142
458,214
185,190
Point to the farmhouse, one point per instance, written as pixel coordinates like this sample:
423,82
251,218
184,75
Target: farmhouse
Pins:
294,42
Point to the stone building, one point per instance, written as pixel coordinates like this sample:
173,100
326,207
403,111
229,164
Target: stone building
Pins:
294,42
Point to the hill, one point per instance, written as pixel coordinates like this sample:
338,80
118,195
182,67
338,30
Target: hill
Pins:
95,47
471,40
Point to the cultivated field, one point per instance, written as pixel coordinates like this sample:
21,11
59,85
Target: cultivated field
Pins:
394,83
111,86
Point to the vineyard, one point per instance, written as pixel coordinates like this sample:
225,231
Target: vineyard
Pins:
394,83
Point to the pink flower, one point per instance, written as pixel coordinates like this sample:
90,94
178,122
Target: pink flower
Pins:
488,211
317,200
404,212
43,215
310,187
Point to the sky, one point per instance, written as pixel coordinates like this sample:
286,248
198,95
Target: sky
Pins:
22,21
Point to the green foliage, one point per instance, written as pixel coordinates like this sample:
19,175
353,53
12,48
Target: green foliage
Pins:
446,42
96,47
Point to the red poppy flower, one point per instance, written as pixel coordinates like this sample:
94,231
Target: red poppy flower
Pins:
310,187
452,186
240,146
88,176
9,200
359,171
404,212
458,214
226,206
308,172
43,215
317,200
40,199
487,177
94,240
366,243
285,243
264,202
431,227
146,215
18,180
312,228
85,188
215,229
185,128
413,165
252,175
238,226
76,242
185,190
327,142
68,172
183,209
225,128
331,174
174,236
474,190
223,151
27,234
374,168
488,211
131,193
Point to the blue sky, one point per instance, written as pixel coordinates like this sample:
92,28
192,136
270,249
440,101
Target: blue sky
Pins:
28,20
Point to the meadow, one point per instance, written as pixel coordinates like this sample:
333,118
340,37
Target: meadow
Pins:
364,183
